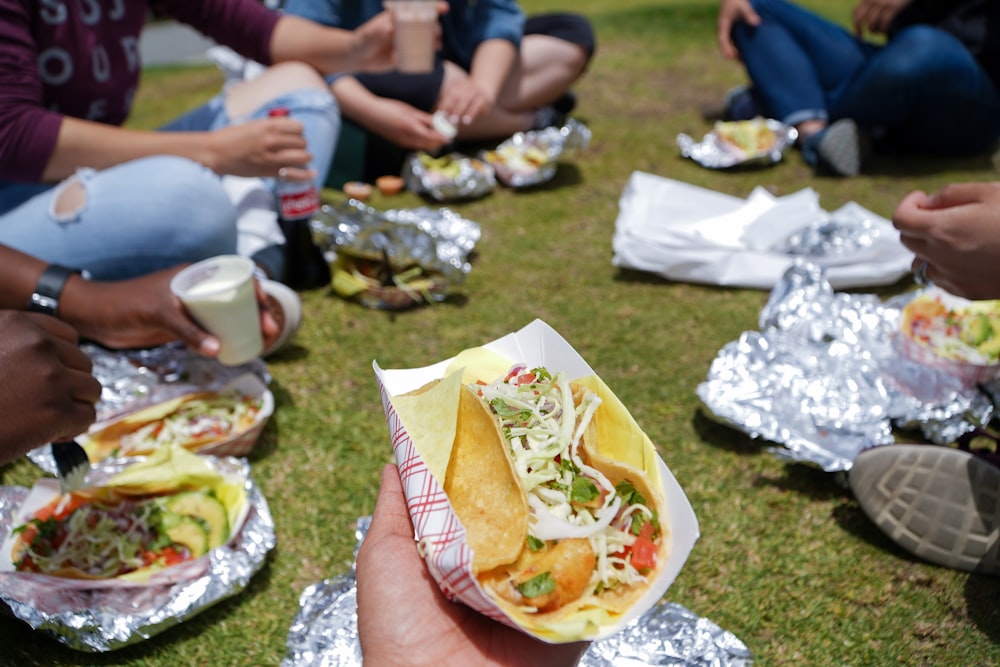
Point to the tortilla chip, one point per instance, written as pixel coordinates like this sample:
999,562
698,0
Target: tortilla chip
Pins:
483,488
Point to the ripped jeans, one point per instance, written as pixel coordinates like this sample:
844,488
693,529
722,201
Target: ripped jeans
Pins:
157,212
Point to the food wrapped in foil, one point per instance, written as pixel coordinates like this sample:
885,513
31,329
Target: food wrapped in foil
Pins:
823,379
395,259
715,151
448,177
132,379
531,158
325,633
98,616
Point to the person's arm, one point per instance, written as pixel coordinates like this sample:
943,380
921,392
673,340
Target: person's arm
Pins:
369,48
732,12
875,16
255,148
47,391
141,312
467,97
394,120
957,233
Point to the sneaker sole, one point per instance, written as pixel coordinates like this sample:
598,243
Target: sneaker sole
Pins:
938,503
840,148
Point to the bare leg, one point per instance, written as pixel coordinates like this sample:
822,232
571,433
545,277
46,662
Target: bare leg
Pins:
546,69
247,96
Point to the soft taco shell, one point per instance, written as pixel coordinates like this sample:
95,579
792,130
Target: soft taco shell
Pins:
103,443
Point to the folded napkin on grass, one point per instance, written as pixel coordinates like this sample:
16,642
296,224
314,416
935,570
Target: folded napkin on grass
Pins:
691,234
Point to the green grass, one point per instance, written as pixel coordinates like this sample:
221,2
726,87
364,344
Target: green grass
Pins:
786,561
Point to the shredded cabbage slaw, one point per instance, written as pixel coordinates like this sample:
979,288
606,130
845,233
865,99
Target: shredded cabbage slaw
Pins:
544,426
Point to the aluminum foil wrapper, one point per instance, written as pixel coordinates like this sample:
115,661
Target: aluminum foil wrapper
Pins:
827,240
823,379
714,153
532,158
133,379
449,177
438,241
325,633
104,616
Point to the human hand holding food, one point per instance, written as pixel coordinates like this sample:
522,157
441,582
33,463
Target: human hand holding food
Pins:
732,12
463,99
405,126
142,312
403,618
955,232
47,391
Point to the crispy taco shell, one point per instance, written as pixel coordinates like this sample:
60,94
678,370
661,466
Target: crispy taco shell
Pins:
101,444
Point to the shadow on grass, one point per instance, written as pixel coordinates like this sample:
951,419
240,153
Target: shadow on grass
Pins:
981,595
724,437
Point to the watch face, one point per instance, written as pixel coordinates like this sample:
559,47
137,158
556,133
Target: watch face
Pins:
50,286
41,303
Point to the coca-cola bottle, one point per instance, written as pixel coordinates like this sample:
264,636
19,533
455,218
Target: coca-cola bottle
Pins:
298,202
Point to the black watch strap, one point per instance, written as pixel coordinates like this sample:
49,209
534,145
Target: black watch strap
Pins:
45,298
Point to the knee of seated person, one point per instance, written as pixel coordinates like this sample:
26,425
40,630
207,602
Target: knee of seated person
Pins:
295,75
917,53
69,200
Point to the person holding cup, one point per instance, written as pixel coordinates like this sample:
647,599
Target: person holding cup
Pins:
140,312
497,73
80,188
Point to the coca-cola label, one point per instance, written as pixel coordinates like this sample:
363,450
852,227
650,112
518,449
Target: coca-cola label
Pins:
300,203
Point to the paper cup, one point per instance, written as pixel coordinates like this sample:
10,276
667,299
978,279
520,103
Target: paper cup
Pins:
219,294
414,38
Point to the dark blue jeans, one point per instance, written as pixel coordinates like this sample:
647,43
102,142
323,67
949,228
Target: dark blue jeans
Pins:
922,91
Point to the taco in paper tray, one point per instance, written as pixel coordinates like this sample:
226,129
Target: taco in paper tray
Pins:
163,511
560,504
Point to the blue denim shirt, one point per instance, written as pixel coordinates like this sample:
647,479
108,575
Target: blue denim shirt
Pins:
467,23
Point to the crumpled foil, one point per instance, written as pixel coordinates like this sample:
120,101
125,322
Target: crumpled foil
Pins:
464,178
133,379
823,378
325,633
104,616
834,237
713,153
554,142
438,241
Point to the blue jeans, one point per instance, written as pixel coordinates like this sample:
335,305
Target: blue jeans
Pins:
923,90
155,212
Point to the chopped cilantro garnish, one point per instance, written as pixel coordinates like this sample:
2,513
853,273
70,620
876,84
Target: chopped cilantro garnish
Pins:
537,585
584,491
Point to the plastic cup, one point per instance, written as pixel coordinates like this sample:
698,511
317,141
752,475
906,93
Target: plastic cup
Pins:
219,293
415,21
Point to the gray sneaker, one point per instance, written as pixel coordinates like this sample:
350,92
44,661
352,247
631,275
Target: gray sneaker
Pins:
939,503
839,148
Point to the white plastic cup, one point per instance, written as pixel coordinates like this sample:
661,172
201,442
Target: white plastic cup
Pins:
219,293
414,37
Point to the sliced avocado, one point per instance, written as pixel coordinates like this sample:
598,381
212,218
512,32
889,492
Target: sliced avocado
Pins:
990,348
978,330
206,509
188,531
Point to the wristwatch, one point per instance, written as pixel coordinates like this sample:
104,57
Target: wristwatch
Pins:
45,298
